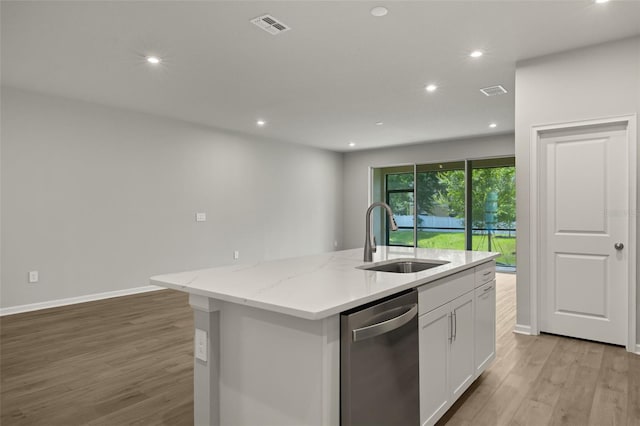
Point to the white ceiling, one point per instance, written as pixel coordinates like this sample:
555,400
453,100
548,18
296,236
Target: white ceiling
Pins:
324,83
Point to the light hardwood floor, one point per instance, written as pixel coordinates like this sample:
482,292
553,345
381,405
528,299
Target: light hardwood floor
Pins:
549,380
122,361
128,361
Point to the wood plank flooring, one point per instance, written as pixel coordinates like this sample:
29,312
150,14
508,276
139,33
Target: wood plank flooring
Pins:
128,361
549,380
121,361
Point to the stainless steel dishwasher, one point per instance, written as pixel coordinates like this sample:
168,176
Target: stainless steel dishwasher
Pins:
379,374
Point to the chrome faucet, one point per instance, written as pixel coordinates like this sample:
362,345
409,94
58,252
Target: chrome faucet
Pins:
370,239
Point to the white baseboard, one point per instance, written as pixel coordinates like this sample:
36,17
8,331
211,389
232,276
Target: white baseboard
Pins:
523,329
638,349
73,300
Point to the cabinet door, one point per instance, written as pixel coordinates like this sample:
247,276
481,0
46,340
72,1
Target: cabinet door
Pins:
485,346
462,369
435,331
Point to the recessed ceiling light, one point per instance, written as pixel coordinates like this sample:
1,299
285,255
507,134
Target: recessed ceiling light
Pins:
431,88
602,1
261,123
379,123
352,144
153,60
493,125
476,53
379,11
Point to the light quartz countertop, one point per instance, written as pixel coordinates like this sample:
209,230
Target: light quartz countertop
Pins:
318,286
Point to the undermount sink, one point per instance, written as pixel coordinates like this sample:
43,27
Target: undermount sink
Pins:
404,266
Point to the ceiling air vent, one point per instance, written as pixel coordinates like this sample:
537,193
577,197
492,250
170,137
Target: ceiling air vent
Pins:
270,24
494,90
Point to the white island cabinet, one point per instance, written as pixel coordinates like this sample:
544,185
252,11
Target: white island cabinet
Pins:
456,335
267,338
485,317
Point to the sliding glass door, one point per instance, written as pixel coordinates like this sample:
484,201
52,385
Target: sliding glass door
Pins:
464,205
440,215
493,211
395,186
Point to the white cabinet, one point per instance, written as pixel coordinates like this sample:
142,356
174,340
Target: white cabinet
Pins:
462,371
457,337
485,323
435,395
446,356
446,345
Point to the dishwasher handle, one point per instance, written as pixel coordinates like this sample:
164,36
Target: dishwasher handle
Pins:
383,327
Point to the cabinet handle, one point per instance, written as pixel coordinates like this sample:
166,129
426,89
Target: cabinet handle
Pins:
487,273
487,289
386,326
450,327
455,325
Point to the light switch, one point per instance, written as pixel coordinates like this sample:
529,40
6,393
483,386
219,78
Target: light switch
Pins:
236,254
201,217
201,345
33,276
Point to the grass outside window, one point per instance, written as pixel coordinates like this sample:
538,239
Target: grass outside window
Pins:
455,240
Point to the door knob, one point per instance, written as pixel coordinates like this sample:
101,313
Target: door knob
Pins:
618,246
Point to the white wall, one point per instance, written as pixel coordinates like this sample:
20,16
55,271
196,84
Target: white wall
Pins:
356,171
98,199
595,82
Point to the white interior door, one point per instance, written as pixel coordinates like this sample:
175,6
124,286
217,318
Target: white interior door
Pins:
584,212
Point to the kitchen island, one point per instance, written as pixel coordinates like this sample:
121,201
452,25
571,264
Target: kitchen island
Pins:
267,346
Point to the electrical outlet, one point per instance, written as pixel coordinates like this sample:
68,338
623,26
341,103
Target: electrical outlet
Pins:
201,217
201,345
33,276
236,255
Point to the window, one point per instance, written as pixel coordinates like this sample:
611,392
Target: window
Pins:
493,211
400,197
440,210
459,205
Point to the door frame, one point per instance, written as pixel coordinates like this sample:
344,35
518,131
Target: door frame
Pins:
535,304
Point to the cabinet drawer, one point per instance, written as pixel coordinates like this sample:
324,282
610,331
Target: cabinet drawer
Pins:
485,273
485,327
444,290
485,289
